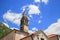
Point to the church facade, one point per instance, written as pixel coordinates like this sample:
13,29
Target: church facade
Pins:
23,34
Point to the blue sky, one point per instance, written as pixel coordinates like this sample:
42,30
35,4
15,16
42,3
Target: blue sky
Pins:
42,14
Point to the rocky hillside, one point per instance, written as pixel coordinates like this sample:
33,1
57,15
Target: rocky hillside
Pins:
3,30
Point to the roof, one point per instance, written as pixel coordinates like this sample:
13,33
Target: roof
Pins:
40,31
21,32
35,33
52,35
15,31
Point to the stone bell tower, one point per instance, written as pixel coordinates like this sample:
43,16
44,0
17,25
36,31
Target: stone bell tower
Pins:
24,23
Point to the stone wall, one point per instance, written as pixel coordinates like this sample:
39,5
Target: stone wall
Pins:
36,36
27,38
9,36
19,35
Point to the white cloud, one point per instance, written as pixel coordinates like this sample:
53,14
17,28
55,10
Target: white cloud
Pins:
24,8
11,27
30,15
39,21
53,28
30,31
6,24
45,1
12,17
33,9
33,30
37,1
14,28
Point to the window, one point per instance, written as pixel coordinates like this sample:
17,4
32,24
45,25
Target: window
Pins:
42,39
21,28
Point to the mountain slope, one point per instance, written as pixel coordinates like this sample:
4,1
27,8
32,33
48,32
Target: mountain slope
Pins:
3,30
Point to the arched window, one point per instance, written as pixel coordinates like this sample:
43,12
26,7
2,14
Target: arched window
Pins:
42,38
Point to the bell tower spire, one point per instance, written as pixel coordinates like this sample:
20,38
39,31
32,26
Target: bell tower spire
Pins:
24,23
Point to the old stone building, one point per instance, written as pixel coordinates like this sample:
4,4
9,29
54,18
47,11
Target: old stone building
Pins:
39,35
23,34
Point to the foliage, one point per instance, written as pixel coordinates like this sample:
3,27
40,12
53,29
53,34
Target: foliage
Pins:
4,30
